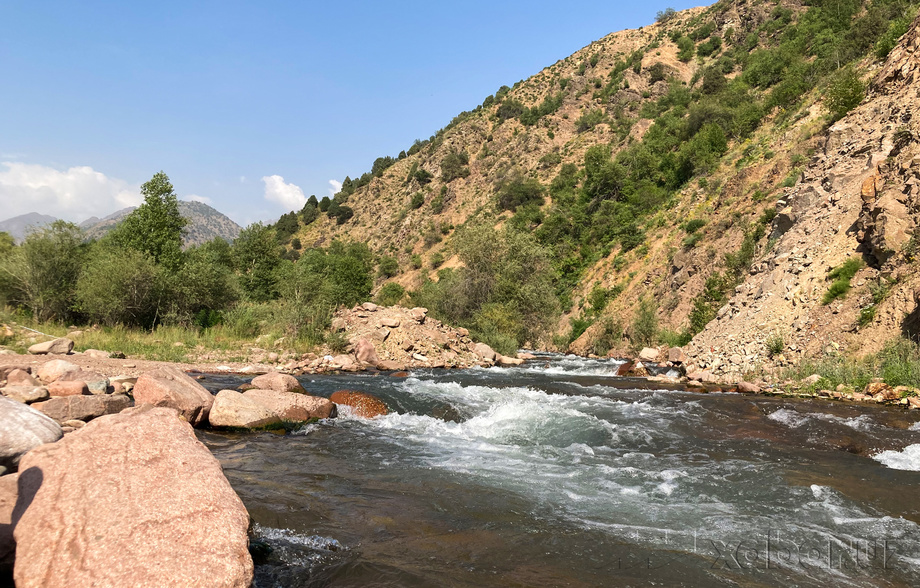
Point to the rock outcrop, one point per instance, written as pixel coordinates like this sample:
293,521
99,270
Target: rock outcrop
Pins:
859,198
22,428
172,388
129,500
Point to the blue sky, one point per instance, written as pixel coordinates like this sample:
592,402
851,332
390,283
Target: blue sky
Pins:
98,96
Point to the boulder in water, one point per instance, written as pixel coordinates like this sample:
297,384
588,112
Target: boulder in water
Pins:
293,407
232,409
365,352
362,404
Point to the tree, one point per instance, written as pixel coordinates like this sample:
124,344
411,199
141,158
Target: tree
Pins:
120,286
156,226
42,271
844,92
256,256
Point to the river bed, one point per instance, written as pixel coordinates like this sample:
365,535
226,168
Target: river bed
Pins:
560,473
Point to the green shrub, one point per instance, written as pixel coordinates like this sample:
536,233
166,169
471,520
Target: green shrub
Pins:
685,49
644,327
416,261
418,199
845,90
454,165
609,336
519,191
841,276
889,39
590,119
775,344
436,259
387,267
693,225
390,294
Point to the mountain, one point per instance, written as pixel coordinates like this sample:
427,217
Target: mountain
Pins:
20,226
205,223
669,169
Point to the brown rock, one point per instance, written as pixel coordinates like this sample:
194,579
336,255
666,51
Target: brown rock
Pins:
677,355
8,493
84,408
173,388
25,394
293,407
388,365
97,354
61,346
362,404
67,388
913,402
19,377
278,382
400,374
389,322
95,382
881,389
365,352
55,369
509,361
369,306
484,351
525,355
418,314
232,409
748,387
152,509
648,354
344,361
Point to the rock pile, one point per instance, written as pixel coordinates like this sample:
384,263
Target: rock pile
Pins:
397,338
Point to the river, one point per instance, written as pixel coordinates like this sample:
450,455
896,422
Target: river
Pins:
559,473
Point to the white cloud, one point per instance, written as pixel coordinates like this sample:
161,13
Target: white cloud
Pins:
197,198
289,196
336,187
73,194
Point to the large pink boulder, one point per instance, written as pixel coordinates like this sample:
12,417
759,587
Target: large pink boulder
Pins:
67,388
173,388
293,407
151,508
20,377
278,381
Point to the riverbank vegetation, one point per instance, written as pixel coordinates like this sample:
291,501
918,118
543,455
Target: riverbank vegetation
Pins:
142,289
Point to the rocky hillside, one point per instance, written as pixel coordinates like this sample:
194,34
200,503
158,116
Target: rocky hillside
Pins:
205,223
652,164
857,201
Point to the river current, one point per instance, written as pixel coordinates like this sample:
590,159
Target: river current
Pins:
560,473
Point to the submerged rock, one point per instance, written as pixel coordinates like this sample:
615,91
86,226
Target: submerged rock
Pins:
22,428
362,404
151,509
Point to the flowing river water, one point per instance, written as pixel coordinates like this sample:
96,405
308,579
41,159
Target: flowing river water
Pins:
559,473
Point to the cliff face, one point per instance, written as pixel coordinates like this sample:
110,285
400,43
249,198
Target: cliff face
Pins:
858,199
